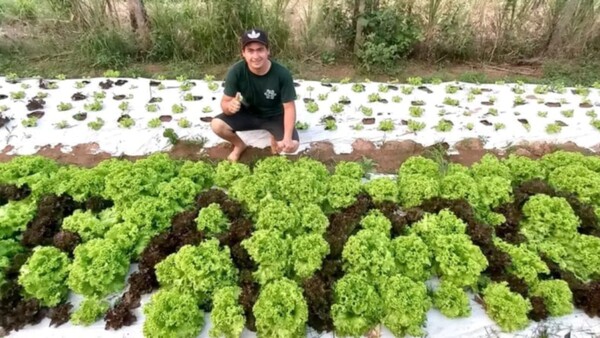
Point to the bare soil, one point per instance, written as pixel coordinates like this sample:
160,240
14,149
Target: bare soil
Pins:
386,158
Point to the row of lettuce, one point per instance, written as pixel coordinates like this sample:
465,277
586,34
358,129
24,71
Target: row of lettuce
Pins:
289,203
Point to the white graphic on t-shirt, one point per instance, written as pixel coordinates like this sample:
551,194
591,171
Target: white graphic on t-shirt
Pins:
270,94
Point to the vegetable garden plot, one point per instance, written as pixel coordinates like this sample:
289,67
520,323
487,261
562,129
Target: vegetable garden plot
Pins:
162,248
130,116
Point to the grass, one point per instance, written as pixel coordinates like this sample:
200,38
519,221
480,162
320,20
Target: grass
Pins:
195,38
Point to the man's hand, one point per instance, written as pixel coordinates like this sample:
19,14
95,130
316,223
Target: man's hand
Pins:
287,145
235,104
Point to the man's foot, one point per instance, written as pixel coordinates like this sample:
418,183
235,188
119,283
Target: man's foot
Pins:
235,154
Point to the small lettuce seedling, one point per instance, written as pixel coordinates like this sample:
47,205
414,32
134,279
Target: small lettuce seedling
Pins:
358,88
553,128
581,90
337,108
207,109
152,107
330,125
383,88
518,89
301,125
367,111
94,106
396,99
444,125
64,106
476,91
30,122
41,95
17,95
386,125
450,101
436,81
124,106
345,80
416,111
126,122
451,89
154,123
213,86
186,86
99,95
374,97
541,89
178,108
184,123
407,90
596,124
591,113
415,81
62,124
470,126
498,126
519,100
12,78
415,126
312,107
96,125
322,96
568,113
542,114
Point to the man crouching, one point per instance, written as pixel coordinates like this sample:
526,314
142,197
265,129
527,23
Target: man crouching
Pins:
259,93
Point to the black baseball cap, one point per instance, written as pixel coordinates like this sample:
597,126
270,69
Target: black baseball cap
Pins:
255,35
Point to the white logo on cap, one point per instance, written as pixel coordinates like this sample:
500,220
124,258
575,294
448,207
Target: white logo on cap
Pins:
253,34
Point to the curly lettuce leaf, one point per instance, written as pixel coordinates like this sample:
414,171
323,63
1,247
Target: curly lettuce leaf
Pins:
201,270
227,315
508,309
281,310
172,313
99,268
405,305
357,306
44,275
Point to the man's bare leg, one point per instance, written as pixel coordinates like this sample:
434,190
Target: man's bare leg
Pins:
223,130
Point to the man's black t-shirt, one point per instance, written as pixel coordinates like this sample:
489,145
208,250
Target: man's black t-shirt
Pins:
264,95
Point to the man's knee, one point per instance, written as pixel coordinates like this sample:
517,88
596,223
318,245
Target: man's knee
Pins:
219,126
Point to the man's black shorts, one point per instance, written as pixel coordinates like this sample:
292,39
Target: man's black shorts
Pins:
244,120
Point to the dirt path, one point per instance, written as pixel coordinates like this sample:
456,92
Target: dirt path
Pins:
385,159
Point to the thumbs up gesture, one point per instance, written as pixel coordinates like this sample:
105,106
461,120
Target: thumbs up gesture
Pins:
234,105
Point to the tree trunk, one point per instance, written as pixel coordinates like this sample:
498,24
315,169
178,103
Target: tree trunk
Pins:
360,23
139,23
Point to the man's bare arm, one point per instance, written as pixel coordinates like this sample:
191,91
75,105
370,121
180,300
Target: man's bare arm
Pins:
230,105
225,103
289,119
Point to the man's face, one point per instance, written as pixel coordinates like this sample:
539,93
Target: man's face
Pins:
256,55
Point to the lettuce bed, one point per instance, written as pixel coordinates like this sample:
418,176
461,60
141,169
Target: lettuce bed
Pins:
282,245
